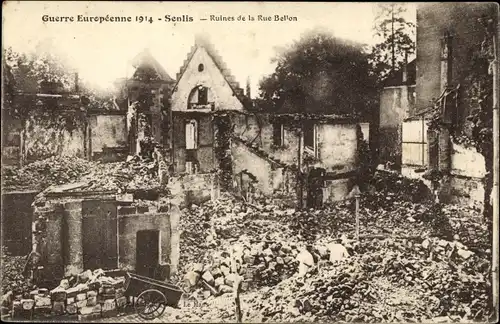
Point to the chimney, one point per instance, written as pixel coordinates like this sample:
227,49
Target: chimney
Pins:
77,88
446,61
248,93
405,68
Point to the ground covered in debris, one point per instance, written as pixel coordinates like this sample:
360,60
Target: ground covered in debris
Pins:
415,260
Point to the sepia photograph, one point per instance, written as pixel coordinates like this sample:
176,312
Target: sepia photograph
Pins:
249,162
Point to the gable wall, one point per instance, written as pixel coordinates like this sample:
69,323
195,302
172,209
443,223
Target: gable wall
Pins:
211,77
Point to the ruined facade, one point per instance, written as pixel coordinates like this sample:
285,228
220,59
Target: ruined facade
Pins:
397,102
448,35
207,116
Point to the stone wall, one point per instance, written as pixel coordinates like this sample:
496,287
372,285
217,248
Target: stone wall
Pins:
133,219
211,77
395,105
433,20
108,134
61,241
204,154
263,169
11,141
17,217
258,129
337,143
467,167
337,147
195,188
42,142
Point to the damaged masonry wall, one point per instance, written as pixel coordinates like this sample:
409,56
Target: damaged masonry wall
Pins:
66,227
336,146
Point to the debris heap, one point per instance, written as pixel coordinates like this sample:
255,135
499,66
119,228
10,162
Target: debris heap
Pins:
386,280
88,296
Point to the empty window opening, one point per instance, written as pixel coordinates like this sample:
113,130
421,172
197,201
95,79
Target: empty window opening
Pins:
278,135
310,138
191,135
202,95
201,68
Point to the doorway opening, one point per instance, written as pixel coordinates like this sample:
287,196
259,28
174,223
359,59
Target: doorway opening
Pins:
147,252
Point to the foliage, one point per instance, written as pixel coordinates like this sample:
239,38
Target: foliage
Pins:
397,39
319,74
42,72
223,133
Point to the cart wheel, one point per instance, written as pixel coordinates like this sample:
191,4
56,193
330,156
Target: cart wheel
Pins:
150,304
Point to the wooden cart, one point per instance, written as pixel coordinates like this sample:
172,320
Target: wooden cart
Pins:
151,296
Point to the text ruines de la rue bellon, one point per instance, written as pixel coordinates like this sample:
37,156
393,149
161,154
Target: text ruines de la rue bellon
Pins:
166,18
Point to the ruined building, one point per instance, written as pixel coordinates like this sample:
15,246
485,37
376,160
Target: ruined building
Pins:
437,87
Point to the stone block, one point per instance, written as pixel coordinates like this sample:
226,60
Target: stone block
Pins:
121,302
109,305
33,293
207,276
219,281
72,292
43,291
82,288
81,297
70,300
27,304
91,293
81,303
58,294
97,309
92,301
120,292
58,308
191,278
71,308
86,310
42,301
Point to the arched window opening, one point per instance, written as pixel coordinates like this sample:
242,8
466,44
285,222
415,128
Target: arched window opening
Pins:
201,67
201,98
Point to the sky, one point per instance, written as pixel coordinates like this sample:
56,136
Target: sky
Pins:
102,52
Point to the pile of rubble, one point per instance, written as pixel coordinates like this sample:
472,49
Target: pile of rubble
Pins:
263,250
90,295
261,264
52,171
434,277
12,268
396,186
133,174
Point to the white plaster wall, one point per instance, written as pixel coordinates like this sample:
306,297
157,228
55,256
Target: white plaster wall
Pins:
211,77
42,141
337,147
336,190
244,159
108,131
467,162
